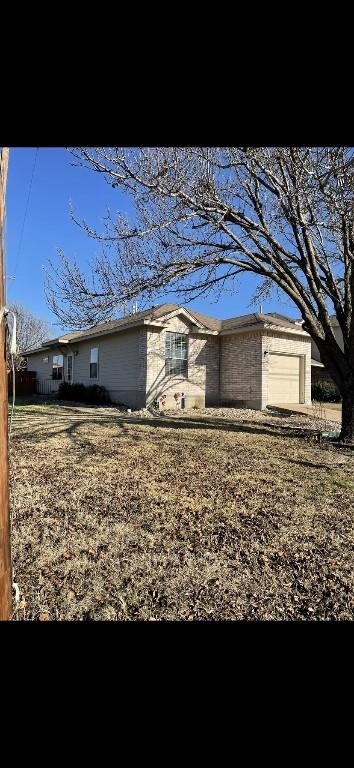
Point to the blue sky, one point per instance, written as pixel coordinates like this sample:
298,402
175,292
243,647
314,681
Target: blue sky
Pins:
48,227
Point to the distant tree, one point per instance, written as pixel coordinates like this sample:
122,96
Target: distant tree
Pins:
204,217
31,332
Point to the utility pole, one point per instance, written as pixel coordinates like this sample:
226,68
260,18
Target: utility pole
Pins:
5,544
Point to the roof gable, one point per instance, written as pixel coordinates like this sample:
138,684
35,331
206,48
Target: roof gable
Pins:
183,312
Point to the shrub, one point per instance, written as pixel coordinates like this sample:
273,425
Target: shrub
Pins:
325,393
92,395
97,395
71,392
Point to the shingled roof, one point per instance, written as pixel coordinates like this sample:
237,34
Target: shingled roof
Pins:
257,318
160,311
110,325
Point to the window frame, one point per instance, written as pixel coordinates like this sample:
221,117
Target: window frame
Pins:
59,367
93,362
174,361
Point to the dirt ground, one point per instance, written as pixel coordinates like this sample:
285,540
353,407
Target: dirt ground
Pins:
199,515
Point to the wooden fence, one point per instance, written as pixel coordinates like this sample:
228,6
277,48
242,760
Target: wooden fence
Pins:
25,383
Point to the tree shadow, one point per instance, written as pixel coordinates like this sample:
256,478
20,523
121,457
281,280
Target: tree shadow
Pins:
311,464
223,425
37,426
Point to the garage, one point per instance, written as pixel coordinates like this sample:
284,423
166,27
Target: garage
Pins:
283,379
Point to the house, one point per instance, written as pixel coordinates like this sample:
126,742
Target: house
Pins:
250,361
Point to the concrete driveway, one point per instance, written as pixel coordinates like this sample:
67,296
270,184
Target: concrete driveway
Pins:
329,414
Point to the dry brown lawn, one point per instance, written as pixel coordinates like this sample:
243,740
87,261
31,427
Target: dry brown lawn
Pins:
200,516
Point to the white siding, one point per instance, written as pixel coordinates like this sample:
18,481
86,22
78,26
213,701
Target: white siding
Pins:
44,370
121,365
36,363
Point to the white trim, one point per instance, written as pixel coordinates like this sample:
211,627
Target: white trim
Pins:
182,311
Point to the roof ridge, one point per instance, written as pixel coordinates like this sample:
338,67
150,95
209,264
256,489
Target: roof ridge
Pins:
115,320
157,311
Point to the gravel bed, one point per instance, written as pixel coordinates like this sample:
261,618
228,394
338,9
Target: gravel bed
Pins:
272,417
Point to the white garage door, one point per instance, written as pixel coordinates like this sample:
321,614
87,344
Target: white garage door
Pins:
284,379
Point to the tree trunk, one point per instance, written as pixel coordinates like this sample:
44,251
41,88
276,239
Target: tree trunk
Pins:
347,433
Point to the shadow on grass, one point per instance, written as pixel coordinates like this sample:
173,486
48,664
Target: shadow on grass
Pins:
39,426
310,464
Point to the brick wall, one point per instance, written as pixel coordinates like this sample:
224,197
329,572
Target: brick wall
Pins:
241,370
244,366
202,384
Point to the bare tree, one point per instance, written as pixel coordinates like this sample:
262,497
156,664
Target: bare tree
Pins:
205,216
31,332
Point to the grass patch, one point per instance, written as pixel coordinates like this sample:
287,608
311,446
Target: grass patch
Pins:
123,517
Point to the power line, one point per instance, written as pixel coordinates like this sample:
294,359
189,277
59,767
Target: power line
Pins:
26,210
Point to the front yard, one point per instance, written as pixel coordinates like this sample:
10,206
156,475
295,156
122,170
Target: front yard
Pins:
218,514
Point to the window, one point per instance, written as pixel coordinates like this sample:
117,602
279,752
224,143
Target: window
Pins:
176,354
94,363
69,371
57,367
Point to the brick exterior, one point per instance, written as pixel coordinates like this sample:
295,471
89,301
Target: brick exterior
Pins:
244,366
241,370
201,387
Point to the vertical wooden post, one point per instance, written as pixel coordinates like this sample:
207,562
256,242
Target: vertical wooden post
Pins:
5,545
